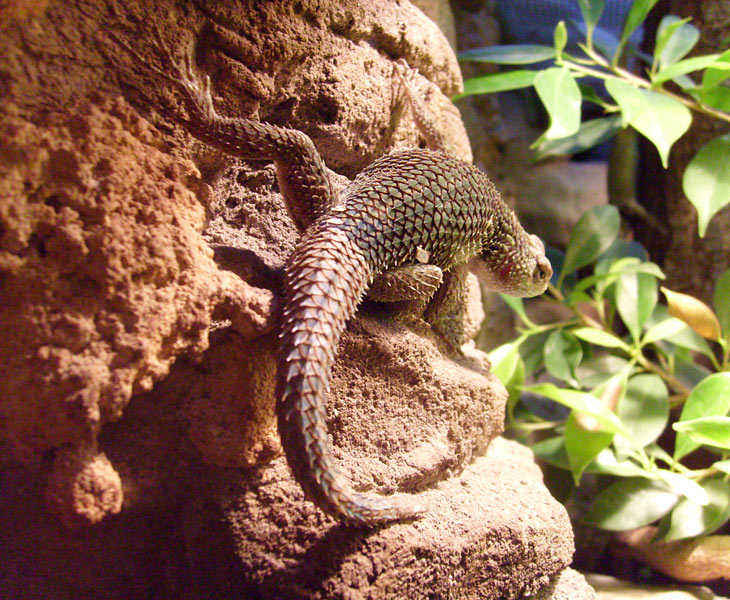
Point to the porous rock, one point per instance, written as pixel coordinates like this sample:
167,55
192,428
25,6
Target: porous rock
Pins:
140,281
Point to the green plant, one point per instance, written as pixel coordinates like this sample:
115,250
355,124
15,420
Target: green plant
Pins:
644,103
628,368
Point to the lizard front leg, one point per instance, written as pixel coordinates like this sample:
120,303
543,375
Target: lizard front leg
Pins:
408,289
425,291
421,115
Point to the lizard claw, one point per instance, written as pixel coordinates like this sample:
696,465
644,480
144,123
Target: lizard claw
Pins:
406,73
197,86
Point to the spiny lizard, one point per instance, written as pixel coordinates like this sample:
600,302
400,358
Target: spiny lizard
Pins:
406,228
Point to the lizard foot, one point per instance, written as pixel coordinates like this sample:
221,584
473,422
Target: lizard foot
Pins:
197,87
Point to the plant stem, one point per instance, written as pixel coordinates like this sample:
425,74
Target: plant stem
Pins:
725,344
555,290
668,377
623,74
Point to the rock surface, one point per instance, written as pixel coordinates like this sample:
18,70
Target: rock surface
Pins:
609,588
567,585
496,510
139,281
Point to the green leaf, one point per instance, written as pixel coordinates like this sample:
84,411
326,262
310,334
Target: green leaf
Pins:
662,330
599,338
607,464
606,274
508,367
636,16
644,408
560,94
592,234
592,11
690,373
721,300
690,519
497,82
659,118
711,431
563,354
599,368
706,180
504,361
683,67
590,133
590,95
656,452
675,38
636,296
714,76
691,341
552,451
631,503
717,97
514,387
684,486
709,398
513,54
560,38
581,402
583,446
684,338
625,249
532,352
667,26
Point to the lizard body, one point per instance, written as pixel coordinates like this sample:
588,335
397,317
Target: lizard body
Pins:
404,202
405,229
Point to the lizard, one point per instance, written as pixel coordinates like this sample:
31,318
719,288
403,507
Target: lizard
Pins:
407,228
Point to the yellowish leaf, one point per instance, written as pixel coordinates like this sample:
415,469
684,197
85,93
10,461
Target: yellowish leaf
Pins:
694,312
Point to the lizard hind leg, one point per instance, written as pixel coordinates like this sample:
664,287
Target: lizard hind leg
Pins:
196,86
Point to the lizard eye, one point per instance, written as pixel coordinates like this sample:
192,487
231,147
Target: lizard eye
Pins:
542,272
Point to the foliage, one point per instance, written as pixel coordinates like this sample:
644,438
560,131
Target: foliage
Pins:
644,103
630,369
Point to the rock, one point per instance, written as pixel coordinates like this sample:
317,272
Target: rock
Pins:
492,532
140,281
83,487
567,585
551,196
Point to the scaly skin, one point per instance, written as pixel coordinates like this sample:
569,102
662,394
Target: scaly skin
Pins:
406,209
402,202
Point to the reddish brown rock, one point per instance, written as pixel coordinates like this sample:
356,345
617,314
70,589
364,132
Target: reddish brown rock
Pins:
139,282
493,532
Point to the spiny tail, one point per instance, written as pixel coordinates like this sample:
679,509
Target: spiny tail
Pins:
326,278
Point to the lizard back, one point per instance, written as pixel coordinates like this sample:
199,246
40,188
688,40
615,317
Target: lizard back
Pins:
419,199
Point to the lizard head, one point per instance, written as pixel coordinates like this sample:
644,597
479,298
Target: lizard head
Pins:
515,264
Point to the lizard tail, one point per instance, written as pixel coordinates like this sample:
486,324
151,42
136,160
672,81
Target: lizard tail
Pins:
326,277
